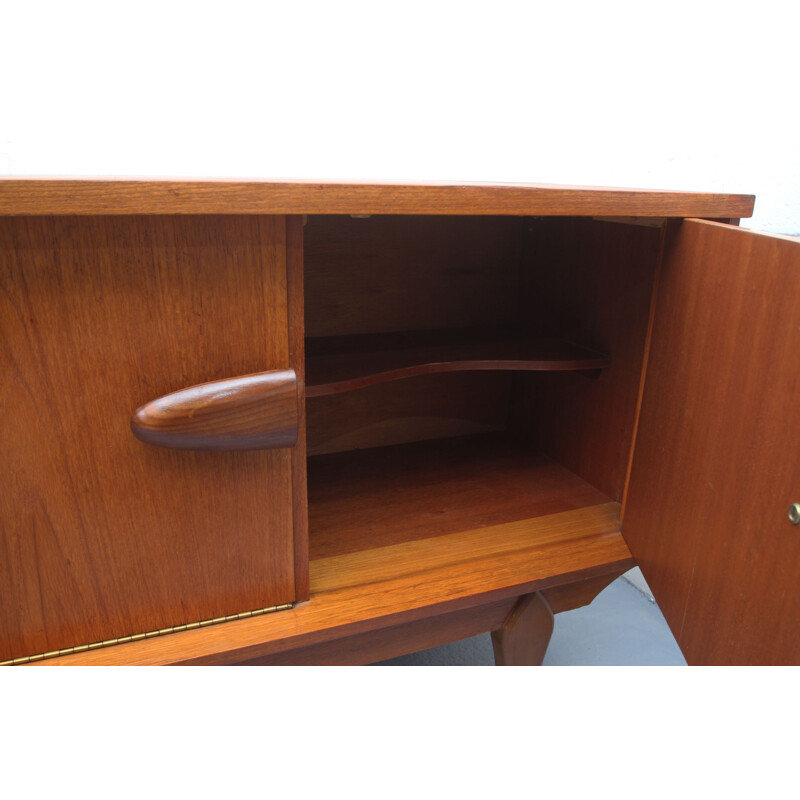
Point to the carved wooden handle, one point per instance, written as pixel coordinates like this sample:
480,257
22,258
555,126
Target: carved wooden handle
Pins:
252,412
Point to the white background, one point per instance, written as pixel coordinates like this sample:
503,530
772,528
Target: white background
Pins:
663,95
678,95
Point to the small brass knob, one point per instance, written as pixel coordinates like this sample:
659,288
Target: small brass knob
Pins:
794,513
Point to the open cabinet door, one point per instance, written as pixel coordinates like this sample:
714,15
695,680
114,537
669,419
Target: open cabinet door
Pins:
716,465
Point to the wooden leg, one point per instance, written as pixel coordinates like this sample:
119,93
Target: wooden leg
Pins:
526,632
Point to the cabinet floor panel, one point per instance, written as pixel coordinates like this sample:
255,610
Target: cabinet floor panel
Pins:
384,496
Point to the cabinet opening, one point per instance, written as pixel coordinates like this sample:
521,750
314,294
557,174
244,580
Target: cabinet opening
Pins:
472,382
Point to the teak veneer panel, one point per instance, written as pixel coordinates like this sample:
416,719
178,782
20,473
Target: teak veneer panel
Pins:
255,196
577,595
455,549
294,290
717,463
342,364
409,273
558,549
413,273
102,536
398,640
590,282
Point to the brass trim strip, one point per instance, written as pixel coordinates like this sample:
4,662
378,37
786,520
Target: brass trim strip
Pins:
149,635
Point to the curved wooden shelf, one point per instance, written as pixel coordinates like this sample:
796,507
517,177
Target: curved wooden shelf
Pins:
343,363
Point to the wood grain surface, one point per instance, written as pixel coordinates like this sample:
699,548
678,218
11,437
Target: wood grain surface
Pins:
344,363
251,412
390,273
236,196
397,640
557,549
102,536
716,464
577,595
589,282
427,407
294,291
428,489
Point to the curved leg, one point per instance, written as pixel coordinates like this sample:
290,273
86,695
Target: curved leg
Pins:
526,632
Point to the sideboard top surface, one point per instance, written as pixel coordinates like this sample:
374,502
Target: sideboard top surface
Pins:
37,196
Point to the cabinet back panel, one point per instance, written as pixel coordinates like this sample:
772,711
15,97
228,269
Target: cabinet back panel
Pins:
589,282
406,273
102,536
389,273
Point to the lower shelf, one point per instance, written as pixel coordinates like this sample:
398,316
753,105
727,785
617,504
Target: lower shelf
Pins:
472,513
405,533
365,499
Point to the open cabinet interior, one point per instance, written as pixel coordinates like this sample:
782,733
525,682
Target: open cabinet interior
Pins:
382,431
470,380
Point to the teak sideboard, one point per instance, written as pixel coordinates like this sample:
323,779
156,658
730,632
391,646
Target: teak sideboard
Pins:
261,422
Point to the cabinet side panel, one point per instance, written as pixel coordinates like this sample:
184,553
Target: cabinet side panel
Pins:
589,282
102,536
716,465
